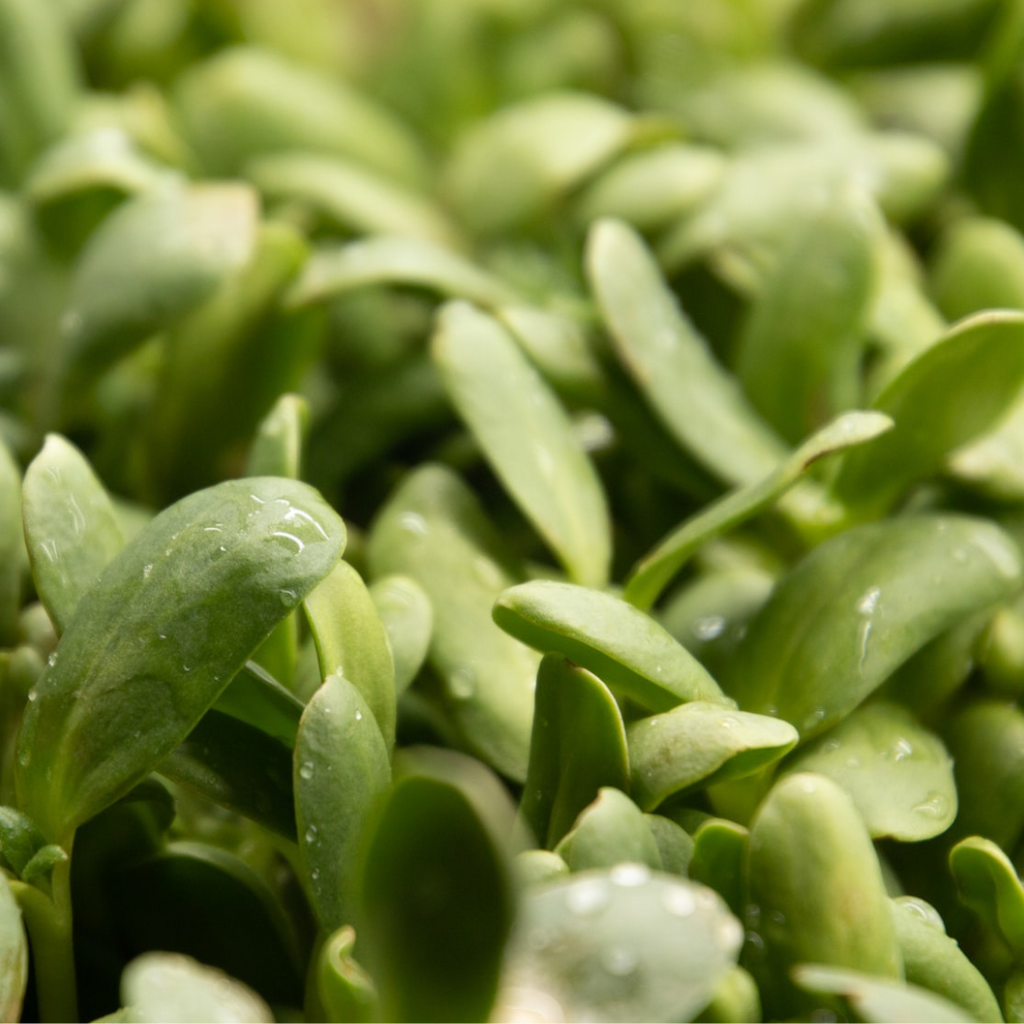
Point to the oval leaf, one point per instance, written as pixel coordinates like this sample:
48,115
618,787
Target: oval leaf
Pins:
578,745
696,744
527,437
341,771
988,883
700,404
620,944
434,530
166,627
624,647
612,830
898,773
408,618
71,530
948,395
859,605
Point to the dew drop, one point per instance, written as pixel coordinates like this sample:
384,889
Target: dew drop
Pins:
359,716
462,683
813,719
146,570
290,538
936,806
869,601
32,695
310,835
52,659
831,746
314,875
587,897
414,523
901,749
306,770
679,902
708,627
729,722
288,597
630,875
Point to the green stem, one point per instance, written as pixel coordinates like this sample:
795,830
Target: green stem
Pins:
50,932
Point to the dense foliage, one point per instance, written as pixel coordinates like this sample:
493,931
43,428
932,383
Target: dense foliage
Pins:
511,509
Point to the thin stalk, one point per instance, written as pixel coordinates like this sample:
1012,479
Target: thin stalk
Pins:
49,927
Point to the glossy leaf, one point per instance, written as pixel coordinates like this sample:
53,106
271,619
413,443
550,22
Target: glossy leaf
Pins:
341,772
510,167
408,618
699,403
274,104
578,745
621,645
859,605
611,830
815,889
934,961
898,773
348,195
526,436
436,950
695,744
13,955
71,530
345,990
988,883
155,258
950,394
799,351
650,188
433,530
168,986
986,741
238,767
12,545
620,944
875,999
652,574
412,262
200,586
351,641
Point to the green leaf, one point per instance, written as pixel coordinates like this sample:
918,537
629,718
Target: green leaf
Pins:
652,574
986,741
71,530
12,546
875,999
156,257
275,104
735,999
988,883
653,187
438,892
898,773
675,847
412,262
349,196
345,990
948,395
508,169
341,773
621,645
351,641
408,617
526,436
167,626
934,961
20,839
259,700
168,986
719,860
699,402
695,744
815,889
578,745
798,354
238,767
277,447
620,944
611,830
433,530
859,605
228,343
13,955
